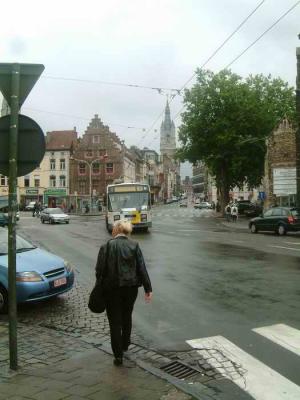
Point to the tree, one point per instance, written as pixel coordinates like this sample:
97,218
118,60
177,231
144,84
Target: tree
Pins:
226,122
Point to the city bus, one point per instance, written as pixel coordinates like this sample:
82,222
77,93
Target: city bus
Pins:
131,202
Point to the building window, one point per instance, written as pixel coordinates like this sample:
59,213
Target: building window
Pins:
62,153
52,153
27,181
109,168
82,187
62,181
2,180
96,139
89,153
81,169
62,164
96,168
52,181
52,164
36,181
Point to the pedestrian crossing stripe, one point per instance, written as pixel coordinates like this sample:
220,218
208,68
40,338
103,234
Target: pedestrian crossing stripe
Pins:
282,334
258,380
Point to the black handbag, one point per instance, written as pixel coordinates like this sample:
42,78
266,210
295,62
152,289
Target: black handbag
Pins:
97,300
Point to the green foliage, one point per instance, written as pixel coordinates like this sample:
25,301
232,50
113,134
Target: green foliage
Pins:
227,120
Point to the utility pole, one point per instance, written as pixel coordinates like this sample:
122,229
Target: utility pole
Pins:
12,203
298,125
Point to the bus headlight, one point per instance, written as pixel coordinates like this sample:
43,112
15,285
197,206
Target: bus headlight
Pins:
143,217
116,217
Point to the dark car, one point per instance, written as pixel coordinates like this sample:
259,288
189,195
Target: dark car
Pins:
254,210
243,205
277,219
3,219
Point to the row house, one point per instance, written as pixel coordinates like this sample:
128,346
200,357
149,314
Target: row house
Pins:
99,159
48,184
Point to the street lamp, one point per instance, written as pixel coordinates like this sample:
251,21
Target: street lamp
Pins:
90,164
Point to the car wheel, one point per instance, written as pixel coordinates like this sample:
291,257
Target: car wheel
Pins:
281,230
67,222
3,300
253,228
42,220
51,221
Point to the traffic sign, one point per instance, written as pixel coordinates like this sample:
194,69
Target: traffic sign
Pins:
29,74
31,145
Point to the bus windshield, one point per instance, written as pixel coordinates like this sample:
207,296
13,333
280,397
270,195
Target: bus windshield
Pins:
118,201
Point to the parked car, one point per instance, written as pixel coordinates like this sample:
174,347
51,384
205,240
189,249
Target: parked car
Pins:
277,219
183,203
40,274
203,204
5,211
254,210
53,216
3,219
243,205
30,206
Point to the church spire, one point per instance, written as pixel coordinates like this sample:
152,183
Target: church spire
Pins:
167,134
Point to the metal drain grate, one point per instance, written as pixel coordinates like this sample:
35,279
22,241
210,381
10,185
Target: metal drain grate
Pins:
179,370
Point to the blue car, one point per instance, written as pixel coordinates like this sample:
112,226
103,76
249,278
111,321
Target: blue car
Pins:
40,274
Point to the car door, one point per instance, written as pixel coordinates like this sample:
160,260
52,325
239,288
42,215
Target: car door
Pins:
277,216
264,223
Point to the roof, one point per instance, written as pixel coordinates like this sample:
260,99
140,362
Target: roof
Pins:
61,140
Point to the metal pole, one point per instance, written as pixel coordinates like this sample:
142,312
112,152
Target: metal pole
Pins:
12,204
298,130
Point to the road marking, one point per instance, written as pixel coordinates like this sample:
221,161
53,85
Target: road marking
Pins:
238,241
283,247
259,380
292,243
282,334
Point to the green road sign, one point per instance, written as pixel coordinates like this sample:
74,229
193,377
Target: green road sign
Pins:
29,74
30,144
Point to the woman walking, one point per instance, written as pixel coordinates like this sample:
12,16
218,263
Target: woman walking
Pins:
121,269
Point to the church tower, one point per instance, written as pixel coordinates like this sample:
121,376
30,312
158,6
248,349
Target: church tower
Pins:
167,135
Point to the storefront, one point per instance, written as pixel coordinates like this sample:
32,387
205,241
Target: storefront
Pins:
55,198
28,195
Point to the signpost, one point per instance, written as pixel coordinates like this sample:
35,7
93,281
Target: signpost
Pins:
16,82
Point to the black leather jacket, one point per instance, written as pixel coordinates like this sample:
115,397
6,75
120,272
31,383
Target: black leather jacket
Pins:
125,264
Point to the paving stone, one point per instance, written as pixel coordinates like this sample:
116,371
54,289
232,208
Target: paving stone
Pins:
49,395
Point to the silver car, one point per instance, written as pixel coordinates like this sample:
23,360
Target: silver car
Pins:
54,215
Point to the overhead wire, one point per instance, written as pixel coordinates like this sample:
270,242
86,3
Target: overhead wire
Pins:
131,85
214,53
251,45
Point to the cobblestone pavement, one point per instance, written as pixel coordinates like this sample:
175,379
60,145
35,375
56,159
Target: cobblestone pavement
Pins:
58,321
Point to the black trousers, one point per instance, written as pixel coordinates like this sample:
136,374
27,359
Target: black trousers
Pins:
119,307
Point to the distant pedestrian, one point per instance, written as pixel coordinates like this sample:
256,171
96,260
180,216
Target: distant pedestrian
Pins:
121,269
234,213
228,213
35,208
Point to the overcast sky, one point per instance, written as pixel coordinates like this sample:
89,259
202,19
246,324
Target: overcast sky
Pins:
157,43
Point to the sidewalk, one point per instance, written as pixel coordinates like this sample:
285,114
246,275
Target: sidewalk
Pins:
87,377
242,223
54,366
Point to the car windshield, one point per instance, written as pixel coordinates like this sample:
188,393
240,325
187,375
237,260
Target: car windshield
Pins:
21,244
117,201
55,211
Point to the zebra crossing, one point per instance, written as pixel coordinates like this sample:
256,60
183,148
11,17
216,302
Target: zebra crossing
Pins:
177,212
250,374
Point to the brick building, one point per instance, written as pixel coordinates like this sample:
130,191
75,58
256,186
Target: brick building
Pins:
280,166
99,158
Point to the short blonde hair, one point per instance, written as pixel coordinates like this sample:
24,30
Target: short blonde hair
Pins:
122,227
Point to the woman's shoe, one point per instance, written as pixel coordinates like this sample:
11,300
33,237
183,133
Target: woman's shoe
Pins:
118,361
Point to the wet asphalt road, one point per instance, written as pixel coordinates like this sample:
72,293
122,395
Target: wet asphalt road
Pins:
207,279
